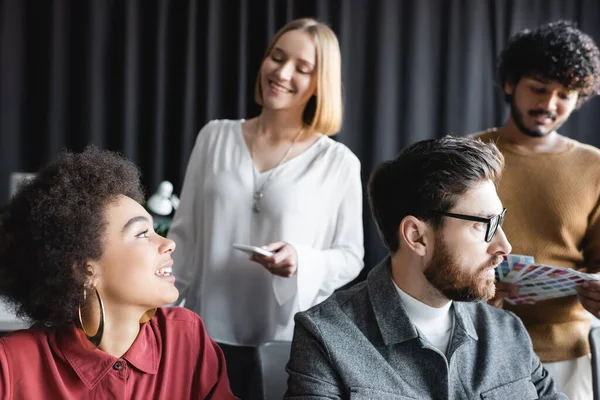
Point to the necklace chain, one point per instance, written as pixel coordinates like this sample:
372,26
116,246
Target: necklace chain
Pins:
259,193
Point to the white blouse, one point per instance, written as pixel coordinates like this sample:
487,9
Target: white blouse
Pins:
312,201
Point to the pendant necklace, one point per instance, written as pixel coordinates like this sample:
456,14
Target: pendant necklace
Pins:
259,193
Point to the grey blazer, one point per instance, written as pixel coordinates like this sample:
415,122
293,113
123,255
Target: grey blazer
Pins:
361,344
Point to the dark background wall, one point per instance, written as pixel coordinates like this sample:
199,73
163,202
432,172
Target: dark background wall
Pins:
142,76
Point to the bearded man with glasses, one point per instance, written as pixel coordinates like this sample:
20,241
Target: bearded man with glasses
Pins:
419,326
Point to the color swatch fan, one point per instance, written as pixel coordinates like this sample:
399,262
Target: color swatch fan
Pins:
539,281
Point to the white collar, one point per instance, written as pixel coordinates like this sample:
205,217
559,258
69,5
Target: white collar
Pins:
423,314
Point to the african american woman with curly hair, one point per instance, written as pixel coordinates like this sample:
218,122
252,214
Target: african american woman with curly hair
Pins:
81,262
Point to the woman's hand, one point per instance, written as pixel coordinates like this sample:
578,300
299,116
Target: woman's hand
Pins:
283,263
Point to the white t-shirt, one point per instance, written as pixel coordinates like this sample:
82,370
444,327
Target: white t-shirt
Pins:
437,324
312,201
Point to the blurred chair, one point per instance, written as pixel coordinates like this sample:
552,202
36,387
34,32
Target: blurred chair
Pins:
272,357
595,348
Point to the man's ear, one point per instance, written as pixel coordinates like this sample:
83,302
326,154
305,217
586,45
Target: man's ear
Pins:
412,234
509,88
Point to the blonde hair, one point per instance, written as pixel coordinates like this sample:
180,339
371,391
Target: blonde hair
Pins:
327,113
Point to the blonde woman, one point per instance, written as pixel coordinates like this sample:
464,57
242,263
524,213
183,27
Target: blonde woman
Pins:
276,181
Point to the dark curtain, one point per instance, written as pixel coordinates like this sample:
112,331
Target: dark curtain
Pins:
143,76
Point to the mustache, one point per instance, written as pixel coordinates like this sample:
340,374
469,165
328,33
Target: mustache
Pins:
540,112
493,262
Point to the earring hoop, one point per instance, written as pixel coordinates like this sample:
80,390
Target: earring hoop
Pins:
148,315
97,337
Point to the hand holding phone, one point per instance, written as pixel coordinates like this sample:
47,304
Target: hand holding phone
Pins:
253,250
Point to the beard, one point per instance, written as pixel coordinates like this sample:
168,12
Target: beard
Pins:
457,280
517,116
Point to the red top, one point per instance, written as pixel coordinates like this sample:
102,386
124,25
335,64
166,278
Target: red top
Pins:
171,358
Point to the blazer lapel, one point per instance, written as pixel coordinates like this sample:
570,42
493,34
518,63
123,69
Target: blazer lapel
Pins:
394,323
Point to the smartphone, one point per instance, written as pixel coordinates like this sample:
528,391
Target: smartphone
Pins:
252,249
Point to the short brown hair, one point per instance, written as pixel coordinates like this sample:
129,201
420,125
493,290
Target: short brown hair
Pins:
326,114
428,177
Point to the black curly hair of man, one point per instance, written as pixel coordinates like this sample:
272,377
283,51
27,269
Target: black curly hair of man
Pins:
55,224
555,51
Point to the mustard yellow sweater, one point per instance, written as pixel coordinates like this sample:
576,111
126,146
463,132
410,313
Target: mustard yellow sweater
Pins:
553,214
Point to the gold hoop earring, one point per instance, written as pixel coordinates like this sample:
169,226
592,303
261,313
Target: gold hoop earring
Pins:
97,337
148,315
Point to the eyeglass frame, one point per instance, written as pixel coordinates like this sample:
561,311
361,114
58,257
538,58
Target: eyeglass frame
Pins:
474,218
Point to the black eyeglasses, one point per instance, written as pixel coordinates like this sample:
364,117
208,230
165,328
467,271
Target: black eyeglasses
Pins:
492,223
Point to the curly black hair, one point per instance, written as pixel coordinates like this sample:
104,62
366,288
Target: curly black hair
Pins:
53,225
555,51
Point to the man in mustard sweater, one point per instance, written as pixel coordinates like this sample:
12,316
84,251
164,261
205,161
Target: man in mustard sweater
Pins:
551,185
